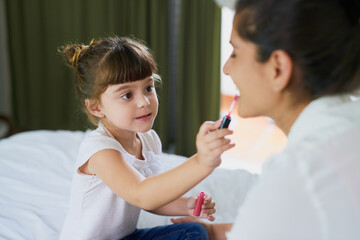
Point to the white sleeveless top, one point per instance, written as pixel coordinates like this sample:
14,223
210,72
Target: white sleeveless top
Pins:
95,212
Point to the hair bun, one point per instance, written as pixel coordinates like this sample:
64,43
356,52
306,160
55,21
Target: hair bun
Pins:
352,8
71,53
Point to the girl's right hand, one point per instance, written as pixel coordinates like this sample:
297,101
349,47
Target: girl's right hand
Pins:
211,143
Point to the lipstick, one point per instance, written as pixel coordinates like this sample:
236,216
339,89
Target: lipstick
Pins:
227,119
198,204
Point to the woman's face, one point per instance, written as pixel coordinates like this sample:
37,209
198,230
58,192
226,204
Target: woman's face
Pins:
250,77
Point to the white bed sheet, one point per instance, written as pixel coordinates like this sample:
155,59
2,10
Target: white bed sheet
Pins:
35,178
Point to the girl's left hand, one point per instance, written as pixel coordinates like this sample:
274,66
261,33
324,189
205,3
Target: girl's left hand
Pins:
207,209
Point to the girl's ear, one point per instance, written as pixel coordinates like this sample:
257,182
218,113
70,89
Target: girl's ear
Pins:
282,67
93,107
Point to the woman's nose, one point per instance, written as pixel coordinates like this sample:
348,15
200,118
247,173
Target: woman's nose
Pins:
226,68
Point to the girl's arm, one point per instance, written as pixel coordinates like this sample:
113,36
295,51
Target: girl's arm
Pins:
184,206
156,191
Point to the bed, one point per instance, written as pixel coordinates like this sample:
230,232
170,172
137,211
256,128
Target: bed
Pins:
35,176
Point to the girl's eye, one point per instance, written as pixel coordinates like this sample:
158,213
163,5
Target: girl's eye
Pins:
149,89
126,96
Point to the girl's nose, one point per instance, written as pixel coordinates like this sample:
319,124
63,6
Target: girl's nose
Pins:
143,101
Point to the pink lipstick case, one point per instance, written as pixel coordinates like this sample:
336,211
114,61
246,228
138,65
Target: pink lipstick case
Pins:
198,204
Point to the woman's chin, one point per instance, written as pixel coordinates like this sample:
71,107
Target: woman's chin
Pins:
243,113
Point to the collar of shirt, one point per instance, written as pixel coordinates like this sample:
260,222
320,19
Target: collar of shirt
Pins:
322,113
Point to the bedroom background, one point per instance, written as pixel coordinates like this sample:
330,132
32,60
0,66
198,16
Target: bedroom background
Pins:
187,39
184,36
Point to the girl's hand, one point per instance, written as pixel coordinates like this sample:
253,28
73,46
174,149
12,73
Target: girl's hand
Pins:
207,209
211,143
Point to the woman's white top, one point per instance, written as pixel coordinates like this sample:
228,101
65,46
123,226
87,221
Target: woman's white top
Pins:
311,191
95,212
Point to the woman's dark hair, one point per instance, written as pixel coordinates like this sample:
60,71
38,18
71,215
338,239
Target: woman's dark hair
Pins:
107,62
321,36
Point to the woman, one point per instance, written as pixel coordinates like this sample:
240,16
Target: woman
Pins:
298,61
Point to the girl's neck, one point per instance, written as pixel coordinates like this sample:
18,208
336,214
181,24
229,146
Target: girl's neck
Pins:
132,146
129,140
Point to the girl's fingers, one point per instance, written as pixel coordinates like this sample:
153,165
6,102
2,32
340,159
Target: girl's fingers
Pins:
218,143
208,211
208,208
208,205
223,148
218,134
207,216
208,126
208,198
210,217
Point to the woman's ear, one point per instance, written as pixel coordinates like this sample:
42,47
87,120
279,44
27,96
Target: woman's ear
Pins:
282,67
93,107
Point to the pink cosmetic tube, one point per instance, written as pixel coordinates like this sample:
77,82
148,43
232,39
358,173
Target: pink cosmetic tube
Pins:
198,204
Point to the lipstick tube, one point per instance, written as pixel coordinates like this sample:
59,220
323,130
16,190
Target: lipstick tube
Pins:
225,122
198,204
227,119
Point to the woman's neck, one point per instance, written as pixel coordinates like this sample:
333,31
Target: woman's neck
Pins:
287,115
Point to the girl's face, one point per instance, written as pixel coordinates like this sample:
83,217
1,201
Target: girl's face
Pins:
130,106
250,77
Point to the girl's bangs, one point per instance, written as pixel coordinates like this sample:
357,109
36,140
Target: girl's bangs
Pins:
126,65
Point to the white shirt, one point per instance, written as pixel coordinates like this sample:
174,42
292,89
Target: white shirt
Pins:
312,189
95,212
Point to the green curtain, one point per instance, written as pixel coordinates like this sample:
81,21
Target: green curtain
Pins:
43,87
198,71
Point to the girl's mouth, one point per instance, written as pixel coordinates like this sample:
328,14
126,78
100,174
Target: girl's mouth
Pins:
144,117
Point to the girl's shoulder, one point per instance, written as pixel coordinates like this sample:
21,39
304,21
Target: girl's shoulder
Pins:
99,137
93,142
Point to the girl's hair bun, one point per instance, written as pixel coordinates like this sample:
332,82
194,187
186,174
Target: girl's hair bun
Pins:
72,52
352,8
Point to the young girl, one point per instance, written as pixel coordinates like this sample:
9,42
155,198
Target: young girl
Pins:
117,162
